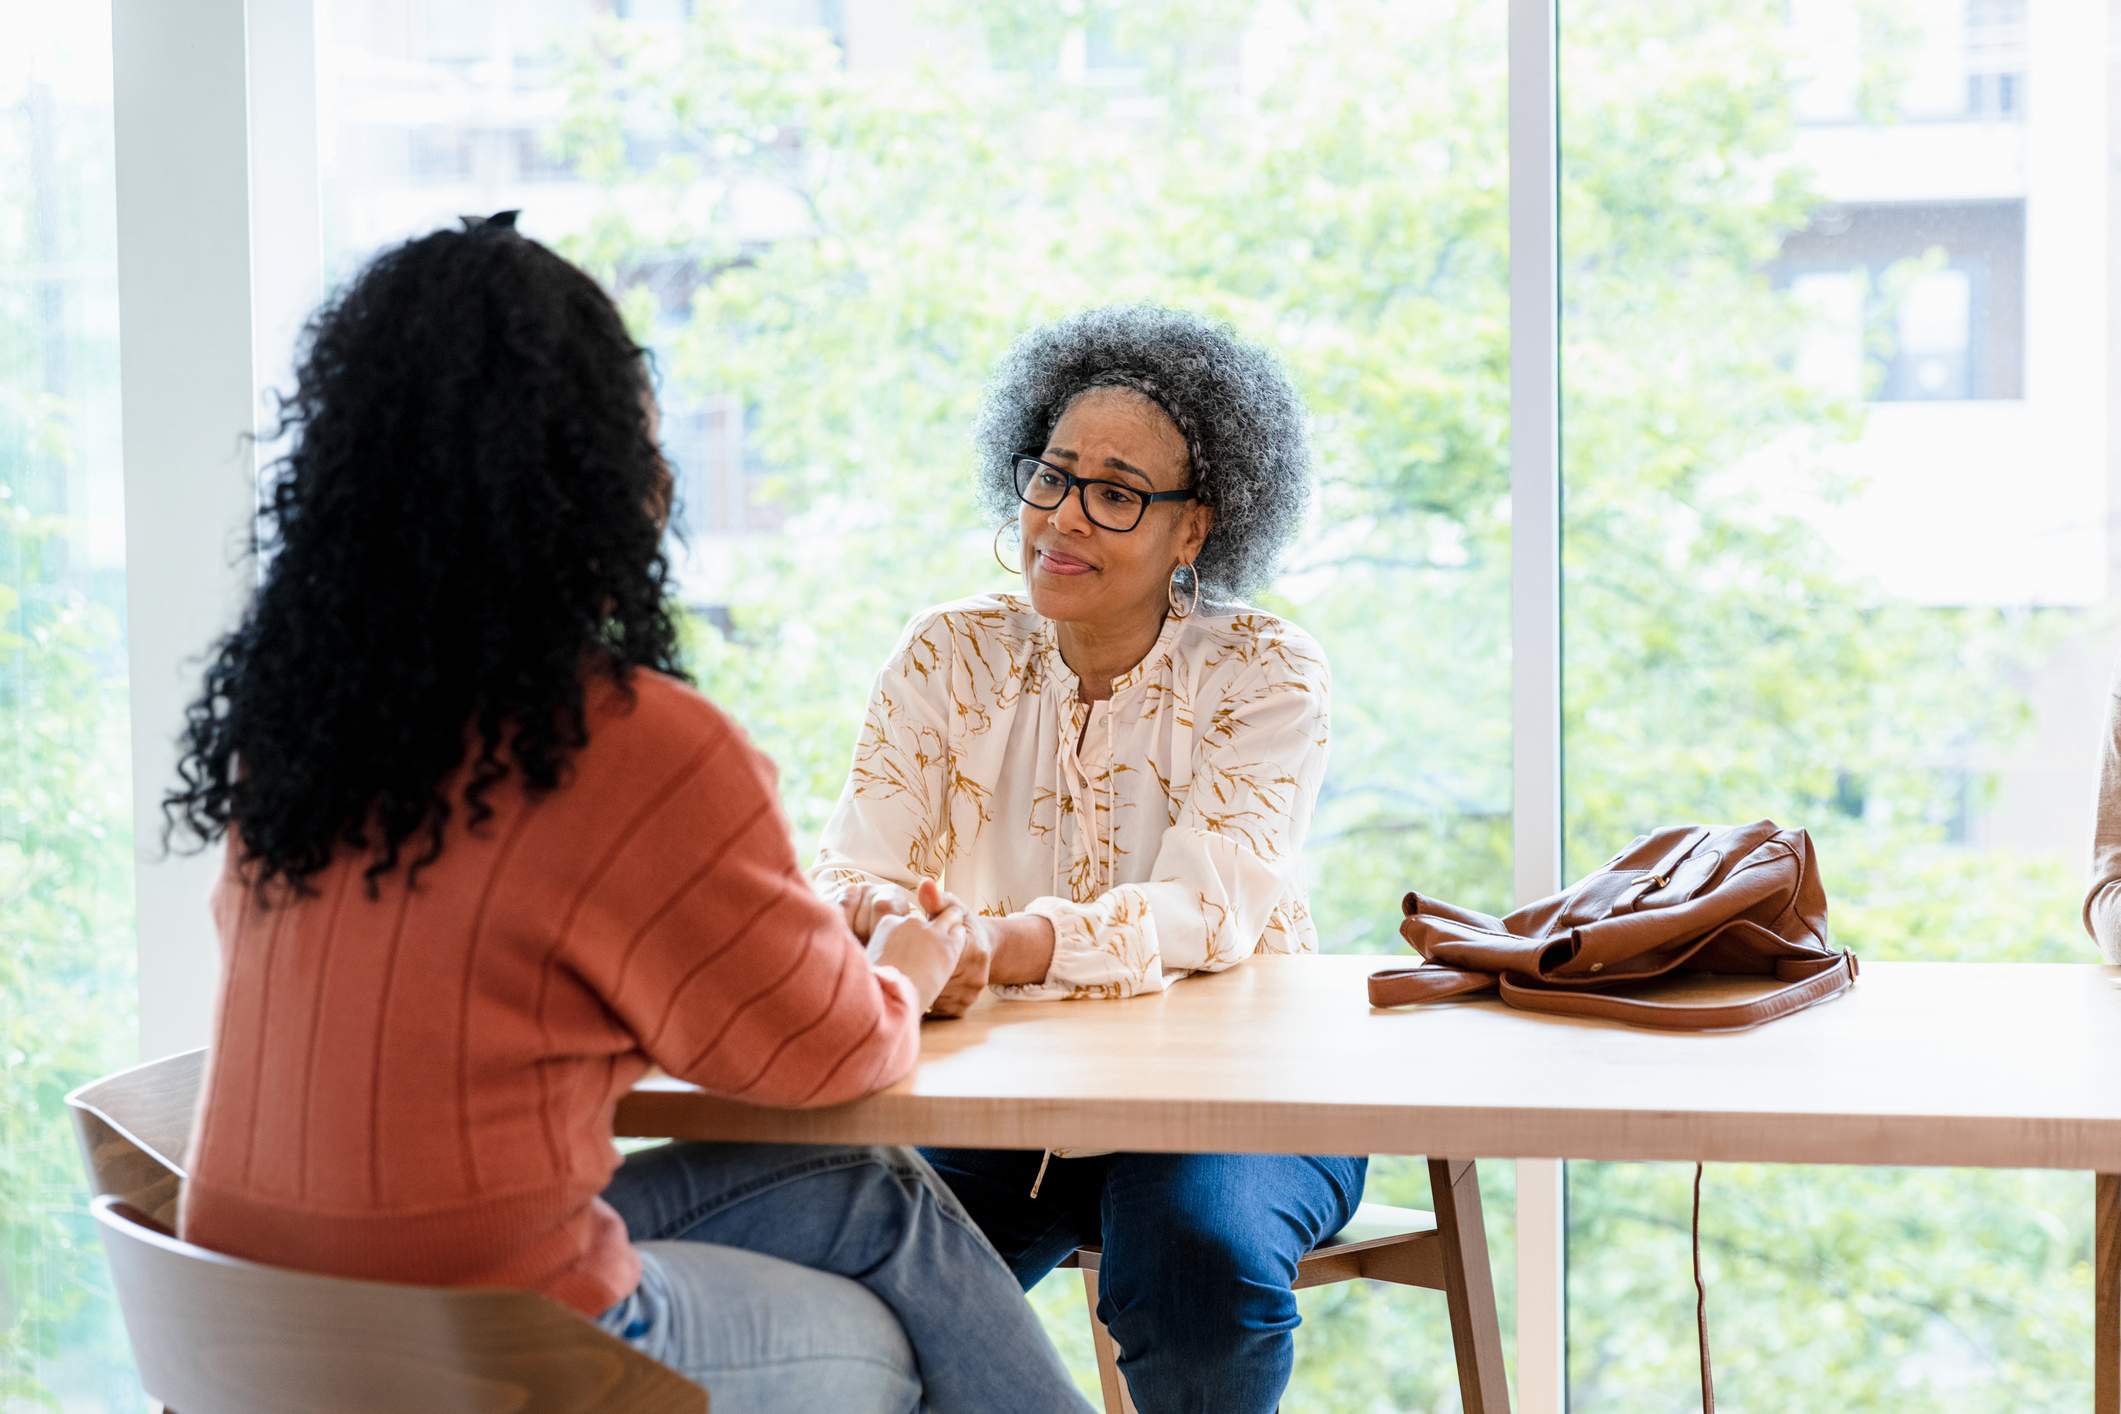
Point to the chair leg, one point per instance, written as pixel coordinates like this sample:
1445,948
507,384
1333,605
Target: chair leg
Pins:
1117,1400
1469,1287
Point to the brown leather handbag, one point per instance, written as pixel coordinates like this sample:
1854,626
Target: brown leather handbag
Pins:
1740,900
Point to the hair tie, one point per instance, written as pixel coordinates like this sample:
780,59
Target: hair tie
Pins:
1149,388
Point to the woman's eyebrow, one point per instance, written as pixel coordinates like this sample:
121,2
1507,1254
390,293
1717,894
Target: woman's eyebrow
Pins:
1064,454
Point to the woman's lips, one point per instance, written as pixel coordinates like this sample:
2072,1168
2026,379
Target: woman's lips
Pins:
1053,563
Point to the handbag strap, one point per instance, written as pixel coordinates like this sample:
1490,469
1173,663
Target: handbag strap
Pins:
1425,982
1701,1306
1806,982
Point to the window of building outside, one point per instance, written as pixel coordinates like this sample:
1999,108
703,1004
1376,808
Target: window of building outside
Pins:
67,989
1838,551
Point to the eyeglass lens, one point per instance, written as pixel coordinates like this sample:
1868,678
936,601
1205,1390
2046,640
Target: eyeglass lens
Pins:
1109,504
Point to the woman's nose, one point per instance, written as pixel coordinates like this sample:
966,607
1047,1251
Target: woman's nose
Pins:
1069,517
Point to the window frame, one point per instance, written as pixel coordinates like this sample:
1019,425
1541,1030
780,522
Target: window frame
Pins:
220,259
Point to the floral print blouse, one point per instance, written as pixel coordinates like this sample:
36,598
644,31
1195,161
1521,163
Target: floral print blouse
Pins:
1160,832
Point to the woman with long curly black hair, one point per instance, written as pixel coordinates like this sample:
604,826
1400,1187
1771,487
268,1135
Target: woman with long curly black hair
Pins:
489,857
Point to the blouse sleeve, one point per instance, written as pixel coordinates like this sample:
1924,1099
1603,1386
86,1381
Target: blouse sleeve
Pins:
890,823
1233,855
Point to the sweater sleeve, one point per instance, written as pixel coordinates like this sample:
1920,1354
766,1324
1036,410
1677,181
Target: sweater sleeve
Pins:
1232,857
891,823
744,981
2102,904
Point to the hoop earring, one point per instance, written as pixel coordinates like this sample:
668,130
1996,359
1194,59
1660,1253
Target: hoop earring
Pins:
1185,609
999,532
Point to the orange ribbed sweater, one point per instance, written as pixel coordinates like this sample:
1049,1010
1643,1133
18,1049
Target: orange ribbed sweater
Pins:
419,1087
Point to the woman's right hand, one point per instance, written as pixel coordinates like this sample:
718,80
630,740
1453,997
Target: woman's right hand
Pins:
925,949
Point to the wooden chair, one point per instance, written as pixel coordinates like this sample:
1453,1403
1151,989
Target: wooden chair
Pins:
1445,1251
215,1335
134,1127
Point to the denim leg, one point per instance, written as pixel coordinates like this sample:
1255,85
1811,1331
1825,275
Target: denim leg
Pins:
1200,1257
766,1336
881,1217
1033,1235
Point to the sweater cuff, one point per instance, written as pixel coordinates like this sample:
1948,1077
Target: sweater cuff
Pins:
892,977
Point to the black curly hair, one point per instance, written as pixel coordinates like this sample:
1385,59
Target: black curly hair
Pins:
1242,421
465,529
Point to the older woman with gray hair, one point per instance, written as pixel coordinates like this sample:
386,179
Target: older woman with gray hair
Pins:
1116,771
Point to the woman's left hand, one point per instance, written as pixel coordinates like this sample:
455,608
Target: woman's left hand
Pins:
973,964
1013,950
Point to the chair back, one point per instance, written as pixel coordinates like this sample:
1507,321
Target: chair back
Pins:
216,1335
134,1128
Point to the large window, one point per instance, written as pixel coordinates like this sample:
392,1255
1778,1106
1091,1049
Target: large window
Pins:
1837,339
66,946
829,221
1838,551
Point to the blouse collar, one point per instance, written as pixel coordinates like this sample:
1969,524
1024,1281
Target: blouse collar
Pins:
1061,675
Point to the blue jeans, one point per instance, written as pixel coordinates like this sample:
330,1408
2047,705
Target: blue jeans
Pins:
799,1278
1200,1254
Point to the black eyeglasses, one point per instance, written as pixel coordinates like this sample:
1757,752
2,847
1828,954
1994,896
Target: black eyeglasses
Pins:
1115,506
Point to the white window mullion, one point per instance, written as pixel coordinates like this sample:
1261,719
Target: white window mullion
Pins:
1535,628
182,186
216,164
286,206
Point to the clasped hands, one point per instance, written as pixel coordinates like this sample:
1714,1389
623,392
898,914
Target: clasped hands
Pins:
928,935
947,951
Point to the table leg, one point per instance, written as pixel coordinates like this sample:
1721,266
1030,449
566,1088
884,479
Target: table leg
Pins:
2106,1280
1469,1286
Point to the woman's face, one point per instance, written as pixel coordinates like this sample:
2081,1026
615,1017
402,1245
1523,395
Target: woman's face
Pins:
1079,571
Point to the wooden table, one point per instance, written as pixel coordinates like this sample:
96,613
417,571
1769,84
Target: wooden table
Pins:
1943,1064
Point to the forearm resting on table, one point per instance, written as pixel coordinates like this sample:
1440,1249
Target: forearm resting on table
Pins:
1023,950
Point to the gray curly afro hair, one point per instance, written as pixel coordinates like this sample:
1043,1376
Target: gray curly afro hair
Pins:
1242,421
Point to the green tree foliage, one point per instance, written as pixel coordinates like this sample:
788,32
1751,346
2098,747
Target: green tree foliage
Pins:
1337,185
66,899
66,964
